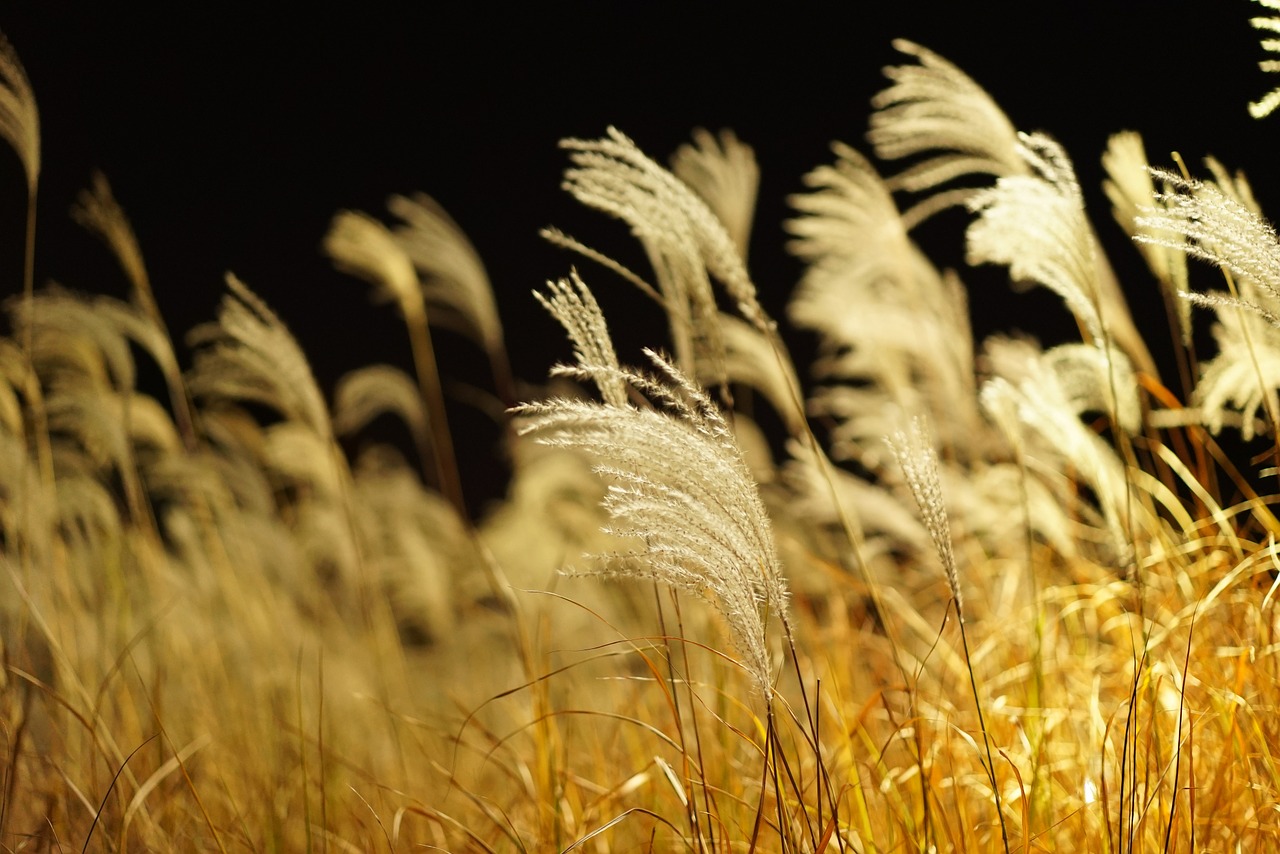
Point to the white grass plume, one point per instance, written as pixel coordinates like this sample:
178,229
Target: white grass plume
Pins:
364,247
1244,375
613,173
1130,188
1213,223
752,360
687,245
573,305
680,486
416,544
1036,225
723,171
1220,224
366,393
913,449
935,108
1267,104
250,355
885,521
74,335
1037,397
98,211
908,338
14,381
453,276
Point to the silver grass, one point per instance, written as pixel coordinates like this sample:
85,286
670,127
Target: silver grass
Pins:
98,211
11,408
1219,223
556,237
143,330
110,429
74,334
299,458
1240,382
1213,223
18,384
60,360
913,450
19,118
573,305
323,535
88,516
366,393
1036,225
265,557
551,512
899,355
935,108
28,507
93,418
365,248
1267,104
1235,184
1086,374
151,429
250,355
679,485
613,174
919,463
910,336
686,244
415,542
885,521
1026,395
723,171
848,213
863,416
219,484
1131,190
985,503
643,197
452,275
222,481
752,360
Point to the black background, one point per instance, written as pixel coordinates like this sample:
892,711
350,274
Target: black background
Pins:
231,135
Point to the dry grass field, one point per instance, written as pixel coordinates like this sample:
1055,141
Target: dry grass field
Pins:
955,594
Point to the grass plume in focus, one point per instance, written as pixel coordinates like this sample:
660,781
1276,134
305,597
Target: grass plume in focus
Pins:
977,595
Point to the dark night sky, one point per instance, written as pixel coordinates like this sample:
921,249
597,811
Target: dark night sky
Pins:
231,137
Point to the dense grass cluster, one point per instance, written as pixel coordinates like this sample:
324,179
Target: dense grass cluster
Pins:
982,596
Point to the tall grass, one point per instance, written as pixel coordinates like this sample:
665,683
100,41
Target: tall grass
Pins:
976,597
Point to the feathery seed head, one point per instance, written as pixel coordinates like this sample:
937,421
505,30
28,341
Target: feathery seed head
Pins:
1267,104
678,482
19,118
1035,224
1208,222
363,247
613,175
936,108
452,274
913,449
724,173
